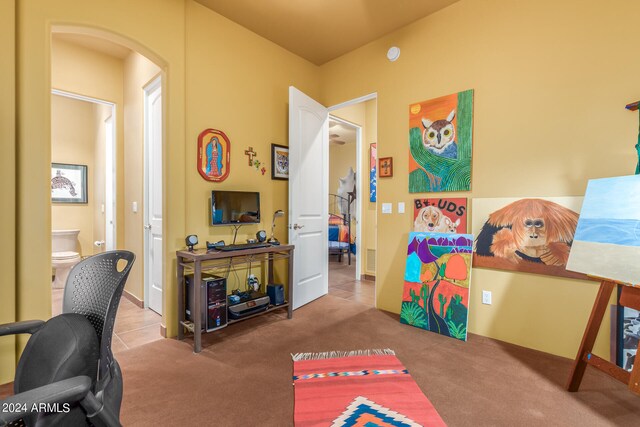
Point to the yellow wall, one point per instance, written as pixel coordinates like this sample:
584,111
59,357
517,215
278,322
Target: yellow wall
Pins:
159,37
237,82
72,142
138,72
551,80
8,177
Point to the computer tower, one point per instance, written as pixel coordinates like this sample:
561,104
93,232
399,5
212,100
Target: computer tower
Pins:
213,297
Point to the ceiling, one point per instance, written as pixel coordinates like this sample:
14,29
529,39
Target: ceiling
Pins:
94,43
341,133
322,30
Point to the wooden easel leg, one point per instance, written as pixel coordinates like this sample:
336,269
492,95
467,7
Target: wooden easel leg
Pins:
634,381
590,334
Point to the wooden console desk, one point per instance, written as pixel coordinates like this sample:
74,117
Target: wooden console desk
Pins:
201,260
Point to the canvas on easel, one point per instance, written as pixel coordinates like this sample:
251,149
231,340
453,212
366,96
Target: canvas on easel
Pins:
606,246
607,239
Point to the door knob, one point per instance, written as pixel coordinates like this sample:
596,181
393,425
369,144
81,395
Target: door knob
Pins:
297,227
147,227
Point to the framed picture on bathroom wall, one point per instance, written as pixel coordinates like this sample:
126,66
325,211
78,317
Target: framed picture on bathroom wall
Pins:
68,183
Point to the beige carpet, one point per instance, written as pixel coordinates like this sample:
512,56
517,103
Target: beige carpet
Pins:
243,377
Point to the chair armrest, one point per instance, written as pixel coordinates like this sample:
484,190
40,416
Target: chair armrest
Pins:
23,327
66,391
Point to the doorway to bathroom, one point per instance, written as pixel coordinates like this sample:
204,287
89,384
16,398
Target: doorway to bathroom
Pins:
83,157
97,124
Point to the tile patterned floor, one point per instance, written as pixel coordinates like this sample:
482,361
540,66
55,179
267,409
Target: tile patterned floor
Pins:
134,326
343,283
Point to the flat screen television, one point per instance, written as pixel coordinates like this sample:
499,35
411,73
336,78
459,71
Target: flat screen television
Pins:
235,207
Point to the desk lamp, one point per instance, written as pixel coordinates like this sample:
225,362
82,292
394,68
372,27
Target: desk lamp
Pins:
276,214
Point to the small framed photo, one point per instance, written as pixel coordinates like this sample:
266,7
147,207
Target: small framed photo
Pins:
385,167
68,183
279,162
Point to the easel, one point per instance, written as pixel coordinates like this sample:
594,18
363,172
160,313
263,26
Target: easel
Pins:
629,297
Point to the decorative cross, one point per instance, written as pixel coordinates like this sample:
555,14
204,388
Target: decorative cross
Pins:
250,153
386,165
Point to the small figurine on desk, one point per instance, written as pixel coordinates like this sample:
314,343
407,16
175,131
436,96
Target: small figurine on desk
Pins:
191,240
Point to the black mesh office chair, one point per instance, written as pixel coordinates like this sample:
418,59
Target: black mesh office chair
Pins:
68,360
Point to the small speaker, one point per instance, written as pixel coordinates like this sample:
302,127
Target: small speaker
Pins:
276,294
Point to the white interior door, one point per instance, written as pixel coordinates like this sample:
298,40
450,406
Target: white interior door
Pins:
153,200
308,196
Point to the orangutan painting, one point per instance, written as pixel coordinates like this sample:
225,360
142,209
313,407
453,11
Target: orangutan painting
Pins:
533,235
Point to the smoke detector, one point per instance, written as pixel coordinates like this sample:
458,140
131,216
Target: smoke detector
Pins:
393,53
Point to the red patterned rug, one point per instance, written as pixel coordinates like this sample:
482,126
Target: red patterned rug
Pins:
358,388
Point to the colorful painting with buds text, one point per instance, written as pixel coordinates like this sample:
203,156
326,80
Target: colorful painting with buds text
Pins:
440,215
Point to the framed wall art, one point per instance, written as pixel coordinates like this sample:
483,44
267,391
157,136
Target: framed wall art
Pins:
373,178
386,167
68,183
440,134
531,235
436,283
440,215
214,155
279,162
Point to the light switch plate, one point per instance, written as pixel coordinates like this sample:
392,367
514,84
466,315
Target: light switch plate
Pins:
400,207
387,208
486,297
134,207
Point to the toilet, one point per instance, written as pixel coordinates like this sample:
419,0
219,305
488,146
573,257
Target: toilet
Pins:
64,244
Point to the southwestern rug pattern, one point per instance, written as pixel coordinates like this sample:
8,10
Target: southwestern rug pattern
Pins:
358,388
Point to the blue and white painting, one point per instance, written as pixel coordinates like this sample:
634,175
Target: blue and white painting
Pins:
607,240
373,180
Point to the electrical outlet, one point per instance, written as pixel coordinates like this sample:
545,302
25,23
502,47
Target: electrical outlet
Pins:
486,297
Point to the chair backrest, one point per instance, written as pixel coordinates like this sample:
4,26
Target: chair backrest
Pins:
64,347
93,289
